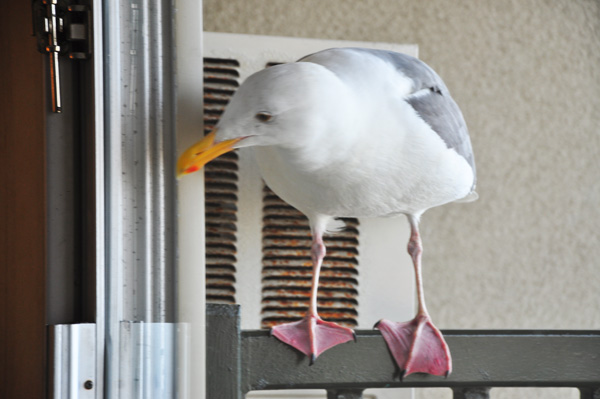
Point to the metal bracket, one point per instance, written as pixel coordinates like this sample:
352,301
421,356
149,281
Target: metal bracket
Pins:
72,361
61,29
151,359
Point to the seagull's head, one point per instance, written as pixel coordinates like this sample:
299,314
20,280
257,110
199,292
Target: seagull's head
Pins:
287,105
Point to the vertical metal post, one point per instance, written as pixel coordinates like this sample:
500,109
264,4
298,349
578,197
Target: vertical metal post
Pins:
223,352
99,188
140,172
471,393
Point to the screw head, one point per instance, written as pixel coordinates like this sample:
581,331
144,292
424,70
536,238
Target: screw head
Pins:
88,384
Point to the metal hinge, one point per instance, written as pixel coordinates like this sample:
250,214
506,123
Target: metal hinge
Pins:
72,361
62,29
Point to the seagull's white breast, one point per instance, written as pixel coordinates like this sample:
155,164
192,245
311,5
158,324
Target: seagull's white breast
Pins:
396,165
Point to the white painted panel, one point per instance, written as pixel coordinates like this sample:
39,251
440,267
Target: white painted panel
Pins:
191,293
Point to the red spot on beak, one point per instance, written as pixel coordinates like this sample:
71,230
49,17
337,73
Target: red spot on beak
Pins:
192,169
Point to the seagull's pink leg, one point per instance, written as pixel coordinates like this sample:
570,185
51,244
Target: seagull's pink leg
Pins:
417,345
313,335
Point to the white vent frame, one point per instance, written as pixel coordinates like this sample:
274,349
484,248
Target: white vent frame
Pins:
386,277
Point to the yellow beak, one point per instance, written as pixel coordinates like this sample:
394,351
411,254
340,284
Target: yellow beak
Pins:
194,158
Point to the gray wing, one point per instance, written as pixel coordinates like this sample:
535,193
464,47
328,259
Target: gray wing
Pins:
431,100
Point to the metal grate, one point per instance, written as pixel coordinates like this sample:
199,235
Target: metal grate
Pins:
221,186
287,267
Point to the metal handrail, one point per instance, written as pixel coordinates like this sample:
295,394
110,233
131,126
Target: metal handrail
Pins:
242,361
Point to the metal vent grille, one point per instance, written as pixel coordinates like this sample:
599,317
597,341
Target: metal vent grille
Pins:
221,186
287,267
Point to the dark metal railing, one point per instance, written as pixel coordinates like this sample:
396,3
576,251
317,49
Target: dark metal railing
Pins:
242,361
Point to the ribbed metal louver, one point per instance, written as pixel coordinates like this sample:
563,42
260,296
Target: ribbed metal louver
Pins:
287,267
221,186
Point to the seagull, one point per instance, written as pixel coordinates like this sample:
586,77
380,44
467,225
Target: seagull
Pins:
353,132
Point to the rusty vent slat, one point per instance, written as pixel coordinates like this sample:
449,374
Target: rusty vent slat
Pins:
221,79
287,267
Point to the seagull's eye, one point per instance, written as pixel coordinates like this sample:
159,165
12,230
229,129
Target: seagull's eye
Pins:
263,116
